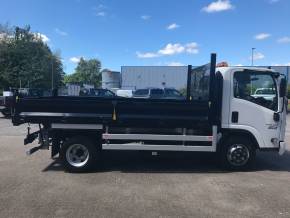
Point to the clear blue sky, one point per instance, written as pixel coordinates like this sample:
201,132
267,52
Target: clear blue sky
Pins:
158,32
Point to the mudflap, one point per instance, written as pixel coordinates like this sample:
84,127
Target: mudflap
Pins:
55,148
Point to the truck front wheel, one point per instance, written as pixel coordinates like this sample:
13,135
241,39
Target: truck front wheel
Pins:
238,153
78,154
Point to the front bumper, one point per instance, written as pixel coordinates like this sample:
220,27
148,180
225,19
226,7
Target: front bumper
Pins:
282,147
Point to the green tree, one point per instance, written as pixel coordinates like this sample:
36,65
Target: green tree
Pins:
25,60
87,72
288,91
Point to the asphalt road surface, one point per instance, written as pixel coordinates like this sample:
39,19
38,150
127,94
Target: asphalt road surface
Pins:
131,184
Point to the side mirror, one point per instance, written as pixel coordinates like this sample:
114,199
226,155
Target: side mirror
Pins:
283,87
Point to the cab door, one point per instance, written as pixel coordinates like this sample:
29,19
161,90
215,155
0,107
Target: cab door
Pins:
254,101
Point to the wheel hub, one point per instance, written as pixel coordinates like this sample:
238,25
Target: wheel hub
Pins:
238,155
77,155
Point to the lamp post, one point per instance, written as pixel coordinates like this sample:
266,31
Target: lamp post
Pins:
253,49
52,85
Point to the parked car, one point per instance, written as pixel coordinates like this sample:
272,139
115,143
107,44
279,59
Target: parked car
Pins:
157,93
2,105
7,99
97,93
171,93
5,103
266,93
103,93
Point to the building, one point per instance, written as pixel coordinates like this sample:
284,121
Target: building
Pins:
111,79
137,77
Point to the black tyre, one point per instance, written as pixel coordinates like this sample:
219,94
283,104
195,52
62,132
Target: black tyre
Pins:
78,154
238,153
6,112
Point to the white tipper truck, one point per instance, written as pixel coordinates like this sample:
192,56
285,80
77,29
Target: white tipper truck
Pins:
220,113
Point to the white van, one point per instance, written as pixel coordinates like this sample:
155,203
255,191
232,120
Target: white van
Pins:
124,93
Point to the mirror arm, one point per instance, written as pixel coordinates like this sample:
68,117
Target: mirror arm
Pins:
283,106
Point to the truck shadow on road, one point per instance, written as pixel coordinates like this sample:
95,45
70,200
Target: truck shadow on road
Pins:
137,162
4,118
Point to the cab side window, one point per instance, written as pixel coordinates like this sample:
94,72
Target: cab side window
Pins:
256,87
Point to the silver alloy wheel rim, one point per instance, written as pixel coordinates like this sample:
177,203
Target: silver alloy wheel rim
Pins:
77,155
238,155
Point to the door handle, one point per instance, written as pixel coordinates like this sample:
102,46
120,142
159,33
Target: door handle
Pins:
235,116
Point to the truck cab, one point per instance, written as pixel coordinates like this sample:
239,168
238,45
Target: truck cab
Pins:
245,111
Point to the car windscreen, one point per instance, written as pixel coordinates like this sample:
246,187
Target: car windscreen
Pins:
141,92
172,93
156,92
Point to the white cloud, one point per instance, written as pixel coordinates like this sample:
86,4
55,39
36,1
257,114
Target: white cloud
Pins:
173,26
262,36
175,63
273,1
100,10
239,65
101,14
147,55
217,6
145,17
5,36
192,48
279,65
41,36
285,39
258,56
101,6
60,32
75,60
44,38
171,49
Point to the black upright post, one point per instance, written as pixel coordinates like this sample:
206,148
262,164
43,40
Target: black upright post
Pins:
189,69
212,86
212,76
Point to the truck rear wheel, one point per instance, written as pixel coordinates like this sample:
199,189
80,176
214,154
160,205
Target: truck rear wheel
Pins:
6,112
238,153
78,154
